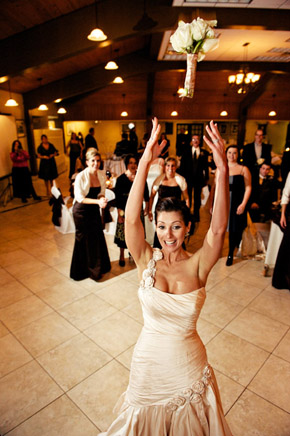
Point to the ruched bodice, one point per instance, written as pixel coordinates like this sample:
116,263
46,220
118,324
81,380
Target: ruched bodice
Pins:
172,389
171,314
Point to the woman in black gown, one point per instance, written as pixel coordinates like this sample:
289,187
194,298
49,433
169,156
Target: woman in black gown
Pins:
21,177
47,167
75,147
123,185
168,184
281,275
90,255
240,191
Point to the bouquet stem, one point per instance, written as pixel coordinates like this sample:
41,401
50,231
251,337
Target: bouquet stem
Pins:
189,83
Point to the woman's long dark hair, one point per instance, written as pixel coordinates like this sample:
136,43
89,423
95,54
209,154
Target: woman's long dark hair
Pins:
172,204
13,145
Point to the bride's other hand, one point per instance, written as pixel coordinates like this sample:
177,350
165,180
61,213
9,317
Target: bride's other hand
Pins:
153,149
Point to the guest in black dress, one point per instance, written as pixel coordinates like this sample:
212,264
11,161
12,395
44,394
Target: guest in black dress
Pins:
240,191
122,189
47,167
21,177
90,255
75,147
168,184
281,275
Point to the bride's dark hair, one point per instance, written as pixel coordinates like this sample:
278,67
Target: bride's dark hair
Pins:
172,204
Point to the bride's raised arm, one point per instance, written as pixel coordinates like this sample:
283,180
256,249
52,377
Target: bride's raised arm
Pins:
134,231
214,239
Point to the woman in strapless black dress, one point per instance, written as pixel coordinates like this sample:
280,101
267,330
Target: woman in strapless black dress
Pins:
168,184
240,191
90,255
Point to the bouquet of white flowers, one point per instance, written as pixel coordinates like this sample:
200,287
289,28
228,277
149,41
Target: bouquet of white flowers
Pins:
195,39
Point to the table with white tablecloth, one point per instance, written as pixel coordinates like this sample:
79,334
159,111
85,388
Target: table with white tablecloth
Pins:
275,238
116,167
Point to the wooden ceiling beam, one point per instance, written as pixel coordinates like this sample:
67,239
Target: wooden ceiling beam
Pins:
96,78
85,82
66,36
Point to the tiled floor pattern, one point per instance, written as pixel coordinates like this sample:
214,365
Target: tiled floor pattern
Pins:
65,347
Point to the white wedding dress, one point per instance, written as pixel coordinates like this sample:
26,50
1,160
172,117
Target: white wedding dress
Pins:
172,389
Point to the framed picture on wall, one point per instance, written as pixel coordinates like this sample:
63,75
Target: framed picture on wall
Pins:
222,128
234,128
20,127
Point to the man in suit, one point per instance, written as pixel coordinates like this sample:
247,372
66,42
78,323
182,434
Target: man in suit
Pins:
123,147
255,154
194,167
264,193
90,140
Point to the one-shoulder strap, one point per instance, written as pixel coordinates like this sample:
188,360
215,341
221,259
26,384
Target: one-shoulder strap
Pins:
148,276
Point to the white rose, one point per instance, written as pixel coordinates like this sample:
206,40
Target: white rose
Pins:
200,56
209,45
211,23
182,38
210,33
198,29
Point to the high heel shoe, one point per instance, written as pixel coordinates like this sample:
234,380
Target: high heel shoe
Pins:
229,261
121,262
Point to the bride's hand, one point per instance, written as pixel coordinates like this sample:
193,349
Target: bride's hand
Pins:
216,145
153,149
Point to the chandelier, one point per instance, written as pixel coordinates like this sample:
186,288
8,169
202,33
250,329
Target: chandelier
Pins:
244,80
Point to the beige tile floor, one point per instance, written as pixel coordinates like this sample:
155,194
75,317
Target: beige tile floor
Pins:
65,347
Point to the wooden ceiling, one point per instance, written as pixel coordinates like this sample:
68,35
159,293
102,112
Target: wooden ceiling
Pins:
48,39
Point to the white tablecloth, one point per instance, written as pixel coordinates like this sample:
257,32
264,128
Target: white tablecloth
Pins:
116,167
275,238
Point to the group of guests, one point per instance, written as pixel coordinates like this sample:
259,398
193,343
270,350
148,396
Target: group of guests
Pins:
21,176
252,189
252,182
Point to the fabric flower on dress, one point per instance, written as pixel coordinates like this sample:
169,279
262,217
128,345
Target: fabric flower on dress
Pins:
149,282
175,403
192,394
157,254
198,387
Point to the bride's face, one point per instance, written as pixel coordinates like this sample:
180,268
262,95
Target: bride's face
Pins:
171,230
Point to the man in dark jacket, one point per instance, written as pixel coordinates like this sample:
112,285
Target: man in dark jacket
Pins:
90,140
255,153
123,147
194,167
264,193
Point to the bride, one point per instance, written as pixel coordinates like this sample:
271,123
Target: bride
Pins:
172,389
